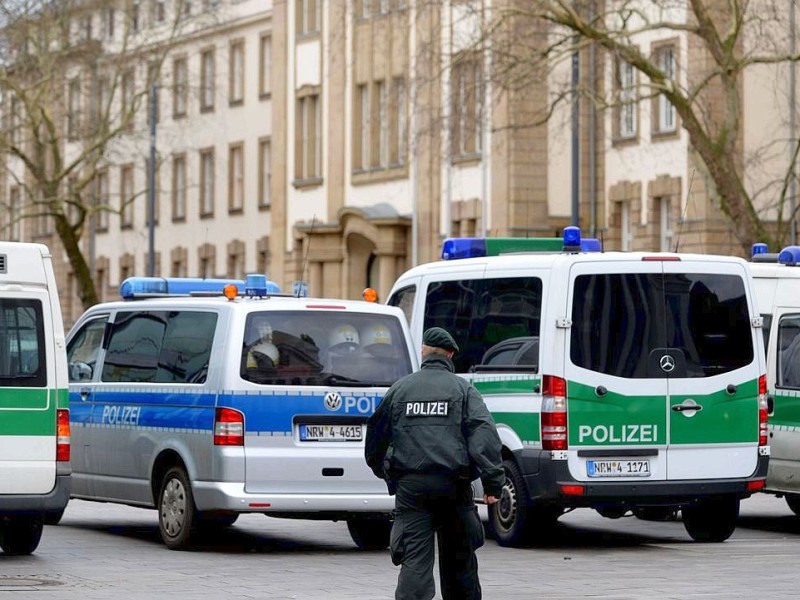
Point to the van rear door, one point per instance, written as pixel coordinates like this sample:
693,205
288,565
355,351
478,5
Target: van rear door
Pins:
27,394
713,406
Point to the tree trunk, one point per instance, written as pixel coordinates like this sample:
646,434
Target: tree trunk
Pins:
80,268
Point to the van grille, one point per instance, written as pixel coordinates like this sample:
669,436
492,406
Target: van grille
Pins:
2,263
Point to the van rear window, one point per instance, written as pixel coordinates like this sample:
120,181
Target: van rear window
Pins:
322,348
622,324
22,355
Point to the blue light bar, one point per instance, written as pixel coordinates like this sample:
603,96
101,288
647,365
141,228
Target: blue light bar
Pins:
454,248
789,256
257,285
134,287
760,248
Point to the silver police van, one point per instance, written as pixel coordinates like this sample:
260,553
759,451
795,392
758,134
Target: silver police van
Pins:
204,402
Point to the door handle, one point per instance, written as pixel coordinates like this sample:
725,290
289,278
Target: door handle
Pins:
687,405
84,393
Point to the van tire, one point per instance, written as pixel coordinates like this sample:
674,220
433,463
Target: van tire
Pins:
176,510
54,518
793,501
711,520
370,534
512,520
21,535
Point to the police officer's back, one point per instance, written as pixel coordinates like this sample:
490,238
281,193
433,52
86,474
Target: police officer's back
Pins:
430,436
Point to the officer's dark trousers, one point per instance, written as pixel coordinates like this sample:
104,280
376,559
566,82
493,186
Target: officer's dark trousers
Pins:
426,504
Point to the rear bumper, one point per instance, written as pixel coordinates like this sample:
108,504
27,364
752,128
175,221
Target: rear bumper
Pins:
53,502
544,479
216,496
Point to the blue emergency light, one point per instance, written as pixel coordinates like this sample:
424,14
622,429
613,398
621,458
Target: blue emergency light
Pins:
140,287
257,285
759,248
789,256
456,248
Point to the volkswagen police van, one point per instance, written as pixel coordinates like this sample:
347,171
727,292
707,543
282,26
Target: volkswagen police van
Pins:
623,382
34,412
206,399
776,278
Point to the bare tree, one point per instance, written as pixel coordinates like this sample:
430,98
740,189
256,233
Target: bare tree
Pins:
74,77
530,40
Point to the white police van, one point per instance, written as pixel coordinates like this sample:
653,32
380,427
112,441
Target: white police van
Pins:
776,278
204,404
34,412
624,382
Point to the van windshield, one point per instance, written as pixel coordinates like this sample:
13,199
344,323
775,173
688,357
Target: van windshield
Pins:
323,348
22,362
623,323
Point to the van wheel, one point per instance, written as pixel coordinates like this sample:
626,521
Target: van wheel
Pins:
176,510
370,534
793,500
21,535
512,521
712,520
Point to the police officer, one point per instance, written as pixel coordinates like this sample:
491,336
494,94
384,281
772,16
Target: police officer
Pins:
429,438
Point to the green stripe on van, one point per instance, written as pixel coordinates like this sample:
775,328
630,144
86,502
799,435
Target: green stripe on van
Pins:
506,386
21,411
787,409
526,425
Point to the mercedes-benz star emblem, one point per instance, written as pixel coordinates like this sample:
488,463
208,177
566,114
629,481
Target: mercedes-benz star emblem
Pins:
667,363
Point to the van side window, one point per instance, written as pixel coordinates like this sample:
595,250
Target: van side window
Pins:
404,300
622,324
22,356
494,321
159,347
83,349
789,352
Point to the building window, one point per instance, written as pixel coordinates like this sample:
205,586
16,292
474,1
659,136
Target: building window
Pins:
135,16
102,201
127,92
109,19
665,118
627,111
665,224
308,16
126,195
308,143
397,123
361,137
236,177
235,266
264,172
265,65
74,111
467,103
207,80
15,126
207,182
158,12
383,124
180,86
179,187
102,107
236,72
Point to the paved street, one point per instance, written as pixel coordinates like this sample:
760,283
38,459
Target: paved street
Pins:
102,551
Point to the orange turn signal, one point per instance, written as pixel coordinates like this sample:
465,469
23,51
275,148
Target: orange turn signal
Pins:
370,295
230,291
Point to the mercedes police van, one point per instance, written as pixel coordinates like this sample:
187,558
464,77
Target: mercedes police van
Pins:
776,278
206,399
34,414
624,382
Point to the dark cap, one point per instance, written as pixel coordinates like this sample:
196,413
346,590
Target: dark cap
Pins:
439,338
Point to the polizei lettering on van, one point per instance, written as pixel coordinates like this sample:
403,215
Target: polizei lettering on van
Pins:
604,434
426,409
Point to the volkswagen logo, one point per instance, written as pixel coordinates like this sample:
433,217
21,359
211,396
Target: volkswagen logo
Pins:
667,363
333,401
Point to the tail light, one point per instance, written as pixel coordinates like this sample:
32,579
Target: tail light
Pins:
554,413
228,427
62,435
763,410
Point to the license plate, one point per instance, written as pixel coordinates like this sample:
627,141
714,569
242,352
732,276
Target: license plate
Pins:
618,468
331,433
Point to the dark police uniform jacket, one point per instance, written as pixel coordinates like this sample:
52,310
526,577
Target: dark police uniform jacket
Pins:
434,422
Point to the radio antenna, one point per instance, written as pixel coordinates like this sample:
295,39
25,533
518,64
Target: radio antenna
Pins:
685,208
305,258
